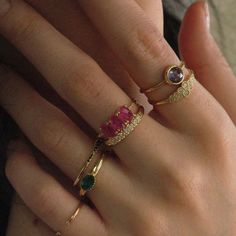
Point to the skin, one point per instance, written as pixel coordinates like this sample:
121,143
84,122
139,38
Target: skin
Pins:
183,187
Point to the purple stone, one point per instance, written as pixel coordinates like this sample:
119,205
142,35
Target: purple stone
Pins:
175,75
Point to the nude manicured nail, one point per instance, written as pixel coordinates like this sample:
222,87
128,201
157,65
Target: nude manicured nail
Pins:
4,7
207,13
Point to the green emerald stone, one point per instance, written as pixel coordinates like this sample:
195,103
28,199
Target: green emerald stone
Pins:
87,183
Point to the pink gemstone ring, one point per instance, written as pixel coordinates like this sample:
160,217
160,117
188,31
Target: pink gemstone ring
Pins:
124,117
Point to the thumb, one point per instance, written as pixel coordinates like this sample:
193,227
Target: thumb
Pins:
201,53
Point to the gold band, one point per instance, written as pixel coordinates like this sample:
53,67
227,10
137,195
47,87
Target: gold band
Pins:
88,181
71,219
96,148
182,92
127,129
165,81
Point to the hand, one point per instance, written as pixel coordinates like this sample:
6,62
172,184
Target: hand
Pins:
69,19
172,179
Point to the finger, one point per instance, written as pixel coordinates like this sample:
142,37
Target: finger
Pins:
145,53
201,53
75,76
46,197
83,34
23,222
60,140
154,10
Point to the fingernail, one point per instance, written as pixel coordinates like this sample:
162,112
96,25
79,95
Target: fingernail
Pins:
5,6
207,14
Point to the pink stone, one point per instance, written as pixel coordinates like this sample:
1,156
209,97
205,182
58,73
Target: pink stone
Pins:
125,114
116,123
107,130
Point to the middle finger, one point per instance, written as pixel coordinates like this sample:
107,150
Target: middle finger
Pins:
75,76
142,49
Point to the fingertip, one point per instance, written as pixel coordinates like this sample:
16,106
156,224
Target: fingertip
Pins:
195,40
195,23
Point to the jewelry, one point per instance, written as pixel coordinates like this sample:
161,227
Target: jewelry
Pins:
96,148
174,75
127,128
71,219
181,93
88,181
116,122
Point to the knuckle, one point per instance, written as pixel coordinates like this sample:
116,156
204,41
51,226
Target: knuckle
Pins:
83,81
147,42
44,201
222,144
188,185
149,225
54,134
24,29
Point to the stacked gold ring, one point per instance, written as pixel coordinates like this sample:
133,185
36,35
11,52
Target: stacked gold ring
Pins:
174,76
96,151
121,124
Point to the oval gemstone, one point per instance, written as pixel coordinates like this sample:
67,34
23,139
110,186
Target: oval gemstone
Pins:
116,123
87,183
125,114
108,131
175,75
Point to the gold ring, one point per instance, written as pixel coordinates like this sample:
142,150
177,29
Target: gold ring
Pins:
127,129
121,124
173,75
182,92
96,148
88,181
71,219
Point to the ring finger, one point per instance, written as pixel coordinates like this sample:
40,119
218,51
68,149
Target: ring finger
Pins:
52,132
74,75
47,198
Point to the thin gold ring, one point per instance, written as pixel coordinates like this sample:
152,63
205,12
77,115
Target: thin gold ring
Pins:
182,92
166,79
88,181
96,148
71,219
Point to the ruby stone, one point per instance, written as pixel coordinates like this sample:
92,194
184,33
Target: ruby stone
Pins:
116,122
125,114
107,131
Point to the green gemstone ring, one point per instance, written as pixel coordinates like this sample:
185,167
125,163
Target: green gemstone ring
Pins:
87,183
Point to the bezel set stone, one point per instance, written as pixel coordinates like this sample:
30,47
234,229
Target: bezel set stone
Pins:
174,75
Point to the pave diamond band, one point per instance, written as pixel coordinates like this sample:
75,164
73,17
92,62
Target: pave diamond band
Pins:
182,92
128,128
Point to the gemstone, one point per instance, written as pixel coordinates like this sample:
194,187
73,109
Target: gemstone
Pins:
87,183
175,75
108,131
116,123
125,114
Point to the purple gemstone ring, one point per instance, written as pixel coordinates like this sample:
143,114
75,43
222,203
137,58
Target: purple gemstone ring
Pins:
174,75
